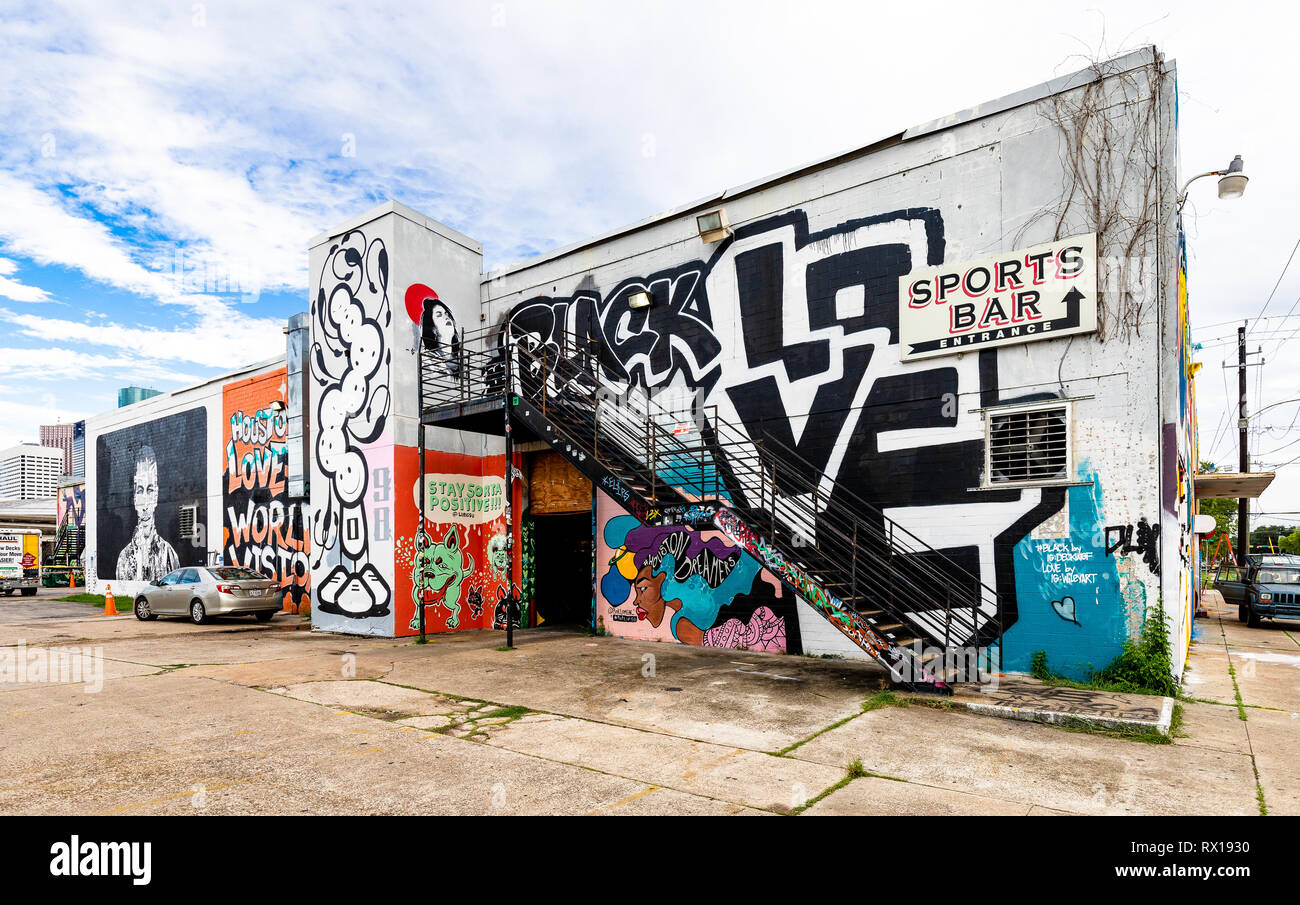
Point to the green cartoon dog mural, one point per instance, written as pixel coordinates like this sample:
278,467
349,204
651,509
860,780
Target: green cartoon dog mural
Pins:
440,569
498,555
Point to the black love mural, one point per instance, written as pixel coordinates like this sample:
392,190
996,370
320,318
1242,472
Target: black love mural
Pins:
150,497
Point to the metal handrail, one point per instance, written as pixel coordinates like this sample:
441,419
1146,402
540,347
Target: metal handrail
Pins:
857,551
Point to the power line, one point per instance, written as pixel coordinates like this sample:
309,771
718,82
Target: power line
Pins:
1286,267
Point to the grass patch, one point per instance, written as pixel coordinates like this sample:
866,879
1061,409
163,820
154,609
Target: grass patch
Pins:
933,702
1176,723
94,599
884,698
513,712
503,648
1148,734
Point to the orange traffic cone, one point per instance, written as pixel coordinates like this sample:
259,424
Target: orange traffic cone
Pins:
109,609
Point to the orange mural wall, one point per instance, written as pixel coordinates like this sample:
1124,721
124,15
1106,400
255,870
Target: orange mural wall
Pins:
262,529
458,567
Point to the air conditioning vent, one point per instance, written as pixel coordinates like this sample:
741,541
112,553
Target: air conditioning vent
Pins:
189,518
1029,445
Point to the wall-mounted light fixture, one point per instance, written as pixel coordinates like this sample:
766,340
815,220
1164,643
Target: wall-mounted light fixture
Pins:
1232,181
640,299
276,405
713,226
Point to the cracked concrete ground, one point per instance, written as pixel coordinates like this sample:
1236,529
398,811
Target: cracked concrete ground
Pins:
236,717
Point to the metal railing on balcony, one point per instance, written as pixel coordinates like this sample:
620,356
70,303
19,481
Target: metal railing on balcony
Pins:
906,590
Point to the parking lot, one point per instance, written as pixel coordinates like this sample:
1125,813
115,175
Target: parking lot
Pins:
236,717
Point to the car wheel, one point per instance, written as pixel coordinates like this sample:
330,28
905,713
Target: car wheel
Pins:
1253,620
29,592
1243,613
265,615
198,612
142,611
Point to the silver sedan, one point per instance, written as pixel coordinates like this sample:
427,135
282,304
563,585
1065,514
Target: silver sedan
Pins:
201,592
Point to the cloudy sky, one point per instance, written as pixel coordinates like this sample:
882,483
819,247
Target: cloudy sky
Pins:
164,166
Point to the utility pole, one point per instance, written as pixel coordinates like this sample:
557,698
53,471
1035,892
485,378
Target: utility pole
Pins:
1243,421
1243,464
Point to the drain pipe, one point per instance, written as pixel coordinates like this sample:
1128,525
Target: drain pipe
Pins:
510,486
424,491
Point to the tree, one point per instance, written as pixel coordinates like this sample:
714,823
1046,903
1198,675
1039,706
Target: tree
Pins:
1224,512
1290,543
1260,537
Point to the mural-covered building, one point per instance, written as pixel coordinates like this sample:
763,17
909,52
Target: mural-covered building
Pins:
198,476
935,391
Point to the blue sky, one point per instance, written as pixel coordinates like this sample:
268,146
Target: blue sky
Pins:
216,138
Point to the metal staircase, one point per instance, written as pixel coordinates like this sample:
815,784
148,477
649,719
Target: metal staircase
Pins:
923,617
68,544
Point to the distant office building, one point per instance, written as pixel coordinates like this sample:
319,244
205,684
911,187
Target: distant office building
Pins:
30,472
78,450
128,395
60,436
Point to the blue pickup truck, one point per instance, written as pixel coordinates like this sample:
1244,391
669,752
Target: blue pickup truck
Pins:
1268,587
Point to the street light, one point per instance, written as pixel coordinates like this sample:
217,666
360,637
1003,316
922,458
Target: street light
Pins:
1232,181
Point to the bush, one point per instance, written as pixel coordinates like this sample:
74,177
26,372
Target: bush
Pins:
1146,665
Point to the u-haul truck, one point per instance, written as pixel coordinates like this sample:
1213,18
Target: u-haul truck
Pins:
20,560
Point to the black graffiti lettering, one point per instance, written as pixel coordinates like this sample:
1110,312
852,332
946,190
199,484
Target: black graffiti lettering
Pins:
1146,543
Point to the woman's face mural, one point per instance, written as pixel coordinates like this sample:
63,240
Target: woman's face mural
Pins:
686,577
650,603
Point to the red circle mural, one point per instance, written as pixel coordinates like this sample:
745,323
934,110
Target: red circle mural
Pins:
416,293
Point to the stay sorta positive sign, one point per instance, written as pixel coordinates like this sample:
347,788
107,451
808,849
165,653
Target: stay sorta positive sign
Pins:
1033,293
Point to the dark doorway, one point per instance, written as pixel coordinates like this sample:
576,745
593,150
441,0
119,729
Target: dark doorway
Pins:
562,576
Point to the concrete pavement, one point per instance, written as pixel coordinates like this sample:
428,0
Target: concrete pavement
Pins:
237,717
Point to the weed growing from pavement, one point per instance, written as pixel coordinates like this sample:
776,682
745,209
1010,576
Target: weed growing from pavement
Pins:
1187,699
1176,723
1241,707
853,771
1148,734
1241,713
1143,667
503,648
882,698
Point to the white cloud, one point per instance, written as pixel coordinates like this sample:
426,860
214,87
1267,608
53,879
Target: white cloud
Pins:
20,419
219,339
55,363
13,289
529,125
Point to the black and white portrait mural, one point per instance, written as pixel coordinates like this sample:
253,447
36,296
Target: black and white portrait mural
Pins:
151,497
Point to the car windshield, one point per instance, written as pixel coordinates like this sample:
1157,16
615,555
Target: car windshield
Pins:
1278,576
232,573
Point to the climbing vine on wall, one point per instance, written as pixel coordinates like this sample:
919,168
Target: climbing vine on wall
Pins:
1113,148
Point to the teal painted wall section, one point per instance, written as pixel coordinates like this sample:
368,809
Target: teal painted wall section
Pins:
1069,594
